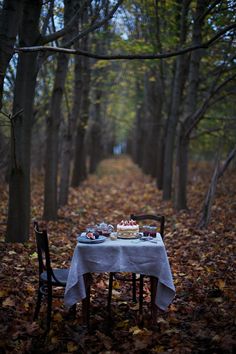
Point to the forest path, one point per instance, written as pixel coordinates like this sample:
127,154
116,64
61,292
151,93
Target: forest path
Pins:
200,320
118,189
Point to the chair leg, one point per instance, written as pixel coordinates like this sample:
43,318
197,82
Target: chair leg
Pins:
134,287
38,304
141,295
49,308
111,276
72,311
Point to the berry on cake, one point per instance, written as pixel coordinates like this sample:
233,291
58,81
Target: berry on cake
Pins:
127,229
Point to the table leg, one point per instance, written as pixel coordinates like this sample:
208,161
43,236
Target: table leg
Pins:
154,282
141,295
111,276
86,301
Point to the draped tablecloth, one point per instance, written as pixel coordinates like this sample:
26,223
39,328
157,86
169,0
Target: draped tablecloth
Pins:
136,256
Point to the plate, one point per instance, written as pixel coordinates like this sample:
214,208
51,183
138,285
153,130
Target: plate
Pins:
128,238
84,239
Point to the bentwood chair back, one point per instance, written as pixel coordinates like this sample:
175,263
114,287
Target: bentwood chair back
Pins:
48,277
159,220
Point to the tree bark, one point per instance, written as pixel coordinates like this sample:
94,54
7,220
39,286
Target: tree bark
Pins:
181,172
69,135
79,169
65,162
19,178
175,108
218,172
154,127
53,125
138,127
10,19
95,148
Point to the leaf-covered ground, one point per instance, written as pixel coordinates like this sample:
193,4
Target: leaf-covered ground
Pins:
202,318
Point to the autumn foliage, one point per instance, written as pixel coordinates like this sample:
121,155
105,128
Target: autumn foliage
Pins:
201,318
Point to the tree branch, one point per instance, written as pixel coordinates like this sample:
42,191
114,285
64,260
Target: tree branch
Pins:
46,21
208,10
52,37
12,119
209,131
128,56
229,158
218,173
193,120
95,26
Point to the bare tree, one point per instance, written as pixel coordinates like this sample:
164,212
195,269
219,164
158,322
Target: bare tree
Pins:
176,95
10,18
53,124
209,199
19,176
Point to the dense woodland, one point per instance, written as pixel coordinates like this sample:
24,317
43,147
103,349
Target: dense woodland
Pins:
156,79
146,89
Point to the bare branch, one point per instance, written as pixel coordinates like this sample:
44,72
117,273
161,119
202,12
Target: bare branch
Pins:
209,199
208,10
229,158
193,120
49,15
12,119
52,37
204,132
95,26
128,56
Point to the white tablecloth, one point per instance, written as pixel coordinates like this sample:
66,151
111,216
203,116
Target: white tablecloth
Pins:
142,257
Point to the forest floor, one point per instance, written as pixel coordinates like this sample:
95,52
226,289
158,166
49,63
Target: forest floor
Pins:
202,317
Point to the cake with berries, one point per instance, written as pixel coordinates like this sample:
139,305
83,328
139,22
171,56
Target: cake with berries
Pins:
127,229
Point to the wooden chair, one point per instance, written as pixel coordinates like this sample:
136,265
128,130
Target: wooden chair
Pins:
160,220
48,277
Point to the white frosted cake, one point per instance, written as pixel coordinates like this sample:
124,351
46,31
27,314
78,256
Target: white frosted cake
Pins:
127,229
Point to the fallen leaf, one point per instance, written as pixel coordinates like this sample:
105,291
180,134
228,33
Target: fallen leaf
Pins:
8,302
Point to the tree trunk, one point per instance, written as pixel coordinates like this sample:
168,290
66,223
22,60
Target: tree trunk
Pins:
181,173
69,134
69,130
51,156
190,107
53,124
146,125
155,107
19,178
218,173
138,129
95,148
175,108
160,160
76,114
10,19
79,171
65,162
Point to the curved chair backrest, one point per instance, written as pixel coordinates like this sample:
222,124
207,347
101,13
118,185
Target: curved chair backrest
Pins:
43,251
158,218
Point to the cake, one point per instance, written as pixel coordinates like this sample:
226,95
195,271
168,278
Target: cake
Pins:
127,229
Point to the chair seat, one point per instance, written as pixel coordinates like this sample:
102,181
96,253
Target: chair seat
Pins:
60,274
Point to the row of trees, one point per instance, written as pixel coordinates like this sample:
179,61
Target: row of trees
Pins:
178,95
77,108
